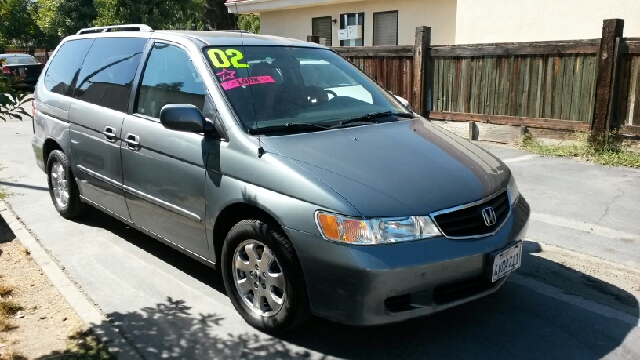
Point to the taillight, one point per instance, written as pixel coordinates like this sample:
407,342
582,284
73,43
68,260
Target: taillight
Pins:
6,70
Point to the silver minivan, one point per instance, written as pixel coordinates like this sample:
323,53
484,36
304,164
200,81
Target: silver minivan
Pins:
312,188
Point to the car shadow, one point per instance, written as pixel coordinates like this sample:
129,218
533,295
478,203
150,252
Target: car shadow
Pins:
516,322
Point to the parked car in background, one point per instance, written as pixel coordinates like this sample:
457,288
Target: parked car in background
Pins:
312,188
23,67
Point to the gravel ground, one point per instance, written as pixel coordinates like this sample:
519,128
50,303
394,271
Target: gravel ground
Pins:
47,322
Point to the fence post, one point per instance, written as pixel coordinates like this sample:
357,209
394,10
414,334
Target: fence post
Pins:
612,30
313,39
420,52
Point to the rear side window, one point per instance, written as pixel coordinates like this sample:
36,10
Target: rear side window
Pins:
108,70
169,78
65,65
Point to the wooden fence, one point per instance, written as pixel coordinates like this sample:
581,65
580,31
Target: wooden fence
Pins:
561,85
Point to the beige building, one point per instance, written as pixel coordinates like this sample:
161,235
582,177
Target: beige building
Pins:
393,22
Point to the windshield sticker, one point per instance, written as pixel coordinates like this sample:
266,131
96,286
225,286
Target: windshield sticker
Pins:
225,59
226,75
254,80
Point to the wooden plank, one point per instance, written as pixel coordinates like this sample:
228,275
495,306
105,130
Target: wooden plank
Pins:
630,46
607,57
634,89
557,93
493,85
549,87
576,96
375,51
593,74
538,123
523,105
420,51
630,130
539,88
524,48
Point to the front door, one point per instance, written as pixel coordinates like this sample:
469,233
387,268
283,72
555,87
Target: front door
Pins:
102,94
164,170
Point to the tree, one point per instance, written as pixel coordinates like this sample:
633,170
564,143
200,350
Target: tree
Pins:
249,22
61,18
17,26
217,17
159,14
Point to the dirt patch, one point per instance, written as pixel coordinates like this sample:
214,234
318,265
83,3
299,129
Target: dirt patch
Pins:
592,278
37,320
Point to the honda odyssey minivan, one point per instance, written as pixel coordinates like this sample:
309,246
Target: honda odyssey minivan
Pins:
308,185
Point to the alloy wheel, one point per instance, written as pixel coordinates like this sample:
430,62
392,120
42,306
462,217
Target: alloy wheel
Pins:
258,278
59,183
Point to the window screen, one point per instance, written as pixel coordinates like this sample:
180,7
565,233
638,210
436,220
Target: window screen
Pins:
385,28
65,66
321,27
107,73
169,78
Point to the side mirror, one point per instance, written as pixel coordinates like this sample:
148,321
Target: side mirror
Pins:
182,117
404,102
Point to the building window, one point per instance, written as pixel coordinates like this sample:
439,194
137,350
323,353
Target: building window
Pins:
321,27
385,28
356,20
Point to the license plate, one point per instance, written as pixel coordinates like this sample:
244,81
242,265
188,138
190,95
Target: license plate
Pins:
506,261
22,71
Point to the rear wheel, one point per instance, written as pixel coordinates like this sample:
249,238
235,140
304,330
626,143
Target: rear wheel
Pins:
62,186
263,277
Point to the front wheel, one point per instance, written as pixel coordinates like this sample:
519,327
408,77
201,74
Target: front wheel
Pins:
263,277
62,186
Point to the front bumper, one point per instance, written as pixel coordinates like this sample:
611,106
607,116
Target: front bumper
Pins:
369,285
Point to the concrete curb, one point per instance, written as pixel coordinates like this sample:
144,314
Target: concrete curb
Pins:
85,309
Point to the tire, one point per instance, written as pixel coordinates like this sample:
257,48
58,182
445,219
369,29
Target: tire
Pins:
294,307
62,181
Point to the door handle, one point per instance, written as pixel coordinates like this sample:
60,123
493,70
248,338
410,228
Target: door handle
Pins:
132,141
109,133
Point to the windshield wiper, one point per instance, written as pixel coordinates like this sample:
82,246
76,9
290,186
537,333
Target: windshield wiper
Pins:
289,127
374,115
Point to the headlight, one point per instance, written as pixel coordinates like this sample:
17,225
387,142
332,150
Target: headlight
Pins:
376,230
512,189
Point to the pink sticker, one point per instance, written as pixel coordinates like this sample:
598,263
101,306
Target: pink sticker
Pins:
226,74
254,80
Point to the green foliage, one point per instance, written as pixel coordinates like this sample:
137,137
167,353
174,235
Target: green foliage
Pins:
11,100
17,26
614,153
217,17
60,18
43,23
249,22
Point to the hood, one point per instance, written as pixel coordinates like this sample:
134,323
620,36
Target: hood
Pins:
401,168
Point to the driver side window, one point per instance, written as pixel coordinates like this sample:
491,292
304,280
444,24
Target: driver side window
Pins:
169,78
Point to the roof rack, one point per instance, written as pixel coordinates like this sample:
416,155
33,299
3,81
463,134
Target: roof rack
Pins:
130,27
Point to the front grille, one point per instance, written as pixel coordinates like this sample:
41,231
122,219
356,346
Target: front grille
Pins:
445,294
469,221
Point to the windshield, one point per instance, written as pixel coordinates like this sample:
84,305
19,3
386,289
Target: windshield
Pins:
276,85
20,60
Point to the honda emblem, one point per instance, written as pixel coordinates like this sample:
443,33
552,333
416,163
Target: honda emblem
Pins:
489,216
